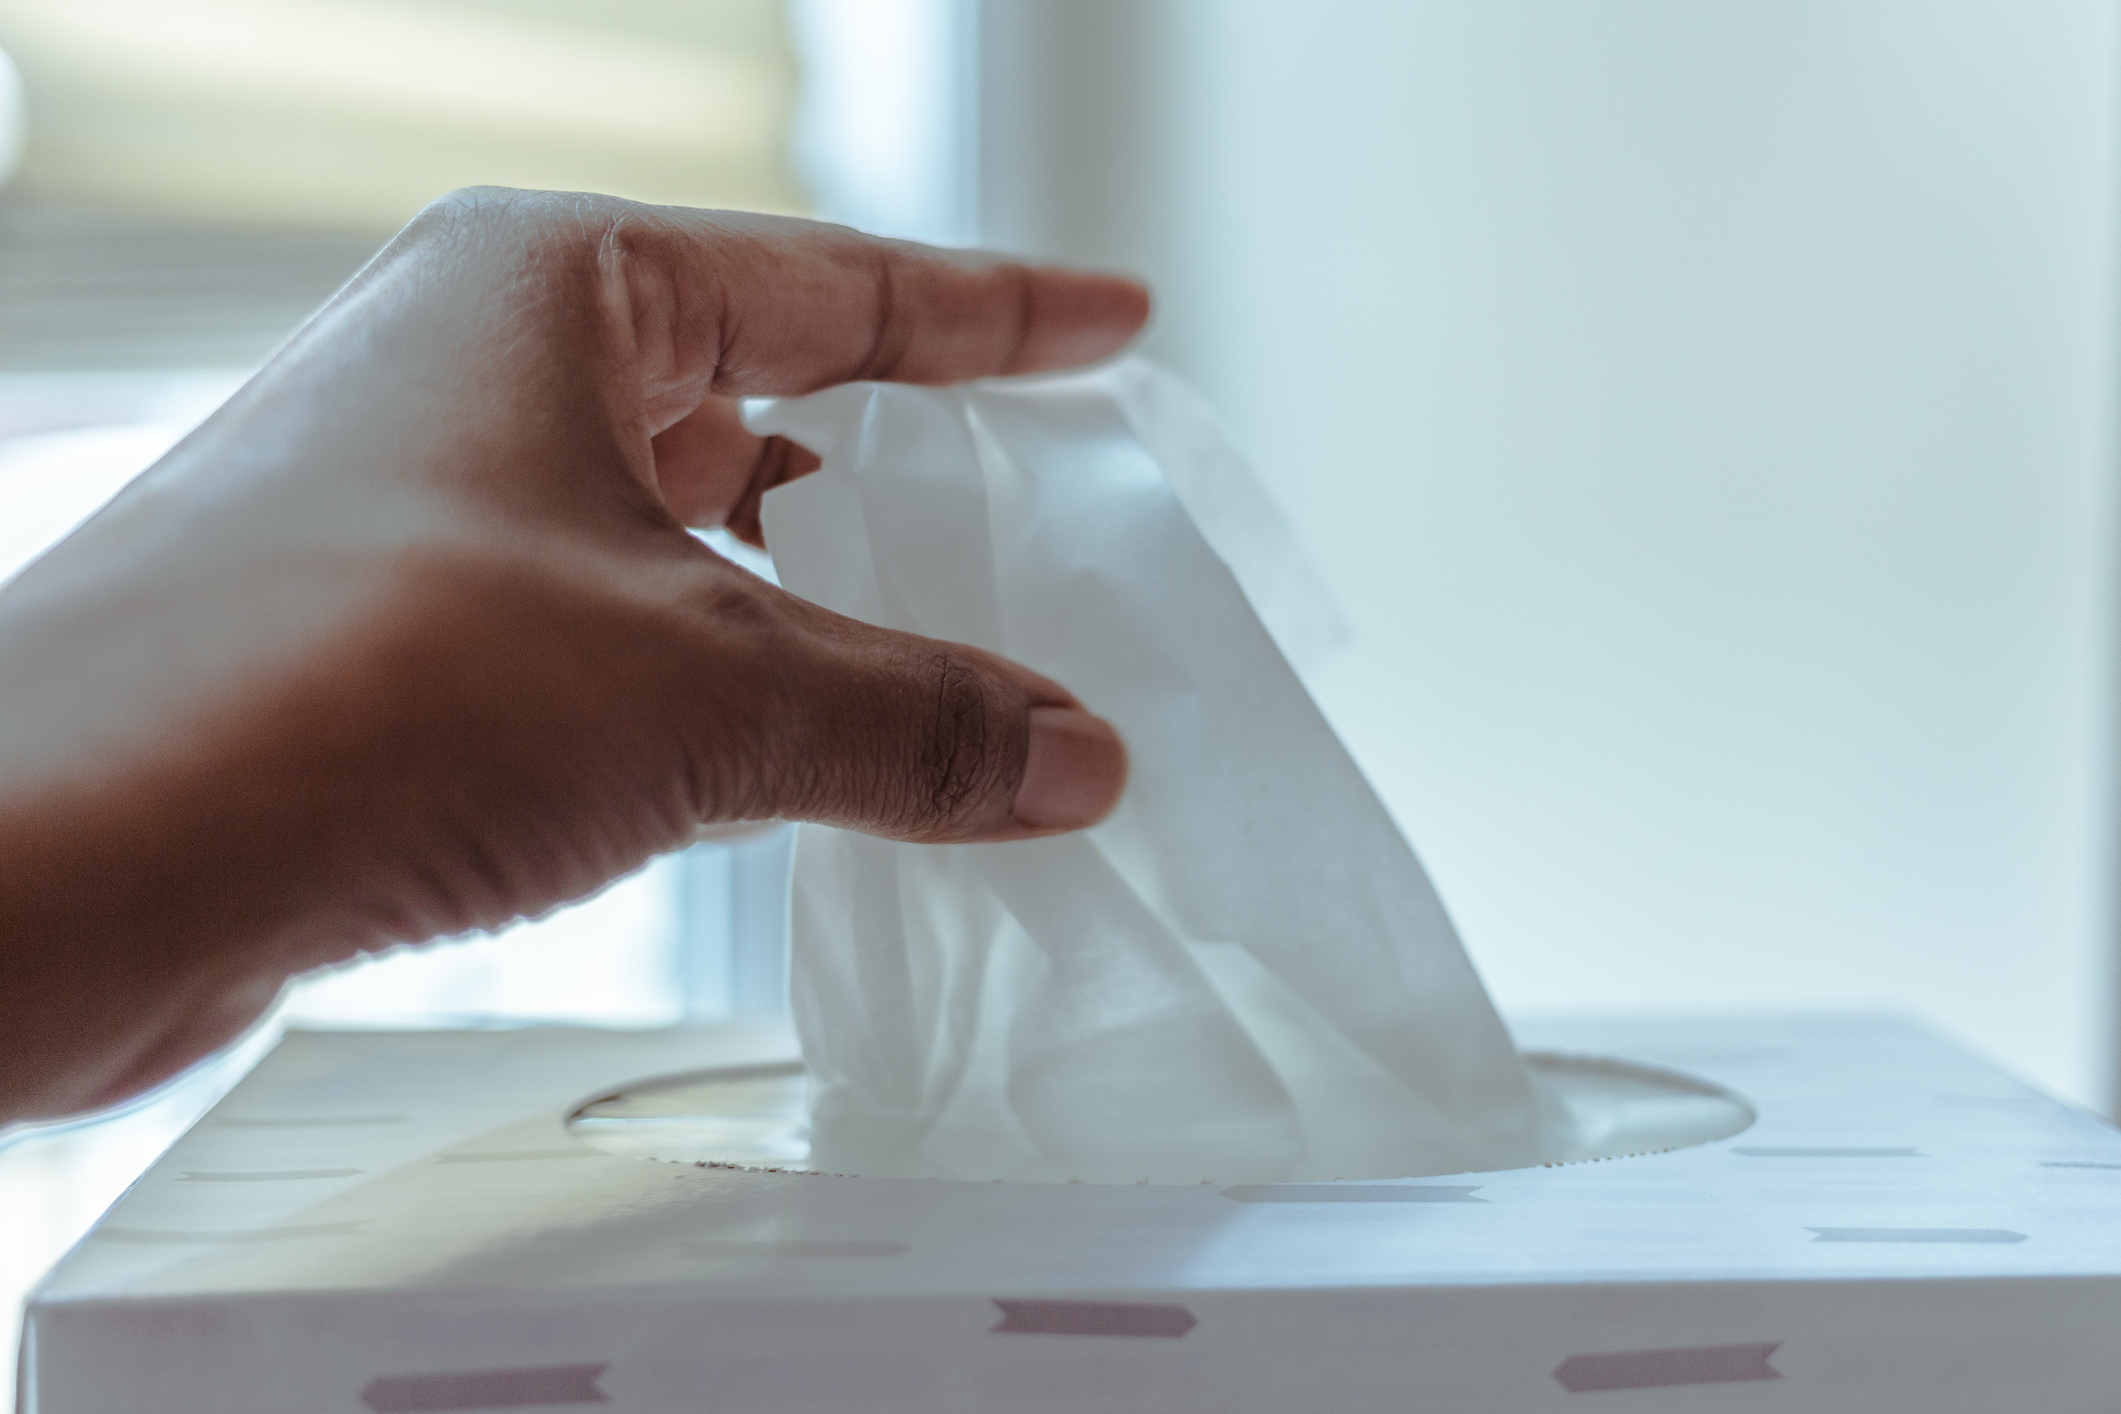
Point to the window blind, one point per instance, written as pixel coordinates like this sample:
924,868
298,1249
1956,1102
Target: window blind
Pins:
196,174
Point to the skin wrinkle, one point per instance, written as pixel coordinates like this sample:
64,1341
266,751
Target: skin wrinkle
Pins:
960,747
482,765
1025,302
732,377
728,326
723,784
876,363
623,305
480,896
223,1016
652,299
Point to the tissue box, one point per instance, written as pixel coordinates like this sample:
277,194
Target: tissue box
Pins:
398,1222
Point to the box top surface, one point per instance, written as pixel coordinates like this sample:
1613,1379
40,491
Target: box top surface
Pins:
440,1162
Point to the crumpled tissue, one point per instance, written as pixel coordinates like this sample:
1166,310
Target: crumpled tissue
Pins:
1243,975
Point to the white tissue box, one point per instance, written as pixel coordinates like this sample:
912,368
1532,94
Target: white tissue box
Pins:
400,1222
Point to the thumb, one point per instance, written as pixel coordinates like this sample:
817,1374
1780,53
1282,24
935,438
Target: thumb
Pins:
916,739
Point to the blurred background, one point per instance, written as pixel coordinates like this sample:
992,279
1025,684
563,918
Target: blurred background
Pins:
1705,414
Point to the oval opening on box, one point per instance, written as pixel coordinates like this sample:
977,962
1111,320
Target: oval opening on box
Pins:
754,1116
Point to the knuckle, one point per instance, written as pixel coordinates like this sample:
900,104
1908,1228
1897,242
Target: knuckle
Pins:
743,616
465,211
964,739
566,225
473,200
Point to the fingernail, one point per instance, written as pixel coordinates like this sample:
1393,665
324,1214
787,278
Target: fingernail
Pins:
1074,772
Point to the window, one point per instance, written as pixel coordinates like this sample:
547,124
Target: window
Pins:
194,177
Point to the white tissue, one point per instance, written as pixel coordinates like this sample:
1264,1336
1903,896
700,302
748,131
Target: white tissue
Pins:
1243,975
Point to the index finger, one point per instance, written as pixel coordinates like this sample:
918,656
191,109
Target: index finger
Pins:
780,307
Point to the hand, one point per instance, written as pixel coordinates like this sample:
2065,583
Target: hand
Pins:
410,637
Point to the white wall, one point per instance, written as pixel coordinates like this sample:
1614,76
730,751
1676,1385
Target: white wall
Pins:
883,135
1703,412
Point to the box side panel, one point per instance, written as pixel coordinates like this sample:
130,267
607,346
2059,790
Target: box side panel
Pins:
1825,1347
